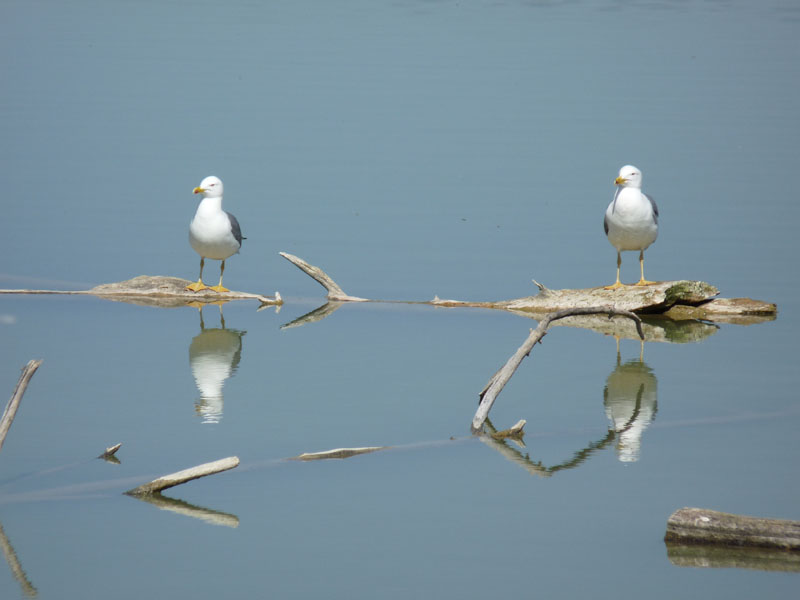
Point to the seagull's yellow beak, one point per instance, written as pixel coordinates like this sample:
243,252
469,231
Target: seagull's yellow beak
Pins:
198,190
617,181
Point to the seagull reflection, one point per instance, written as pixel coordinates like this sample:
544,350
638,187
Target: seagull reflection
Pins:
630,398
214,355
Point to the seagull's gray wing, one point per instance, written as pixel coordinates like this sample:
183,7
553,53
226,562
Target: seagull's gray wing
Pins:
235,229
655,207
605,223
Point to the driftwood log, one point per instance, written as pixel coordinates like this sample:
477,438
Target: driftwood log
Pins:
167,481
658,298
702,526
165,292
13,404
338,453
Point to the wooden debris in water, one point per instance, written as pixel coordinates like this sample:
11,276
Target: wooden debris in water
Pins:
110,452
13,404
318,275
168,481
165,292
338,453
703,526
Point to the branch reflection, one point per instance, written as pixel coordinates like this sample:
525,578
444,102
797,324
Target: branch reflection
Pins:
214,356
630,398
315,315
16,567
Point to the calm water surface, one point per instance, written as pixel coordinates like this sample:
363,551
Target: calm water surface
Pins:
410,149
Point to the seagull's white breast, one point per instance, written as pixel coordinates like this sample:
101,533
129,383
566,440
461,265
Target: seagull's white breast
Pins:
631,221
210,231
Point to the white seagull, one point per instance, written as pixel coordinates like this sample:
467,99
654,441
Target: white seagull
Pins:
213,233
631,221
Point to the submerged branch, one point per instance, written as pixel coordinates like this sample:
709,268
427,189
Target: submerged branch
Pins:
498,381
13,404
338,453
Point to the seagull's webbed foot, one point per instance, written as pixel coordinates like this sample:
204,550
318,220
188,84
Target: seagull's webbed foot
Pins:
219,288
614,286
197,286
645,282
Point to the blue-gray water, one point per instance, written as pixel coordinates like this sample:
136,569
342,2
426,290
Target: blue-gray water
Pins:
410,149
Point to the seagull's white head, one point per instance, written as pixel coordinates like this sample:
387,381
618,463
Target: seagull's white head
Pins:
629,176
210,187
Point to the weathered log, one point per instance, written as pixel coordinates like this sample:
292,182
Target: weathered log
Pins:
13,404
702,526
337,453
168,481
498,381
166,292
656,298
737,311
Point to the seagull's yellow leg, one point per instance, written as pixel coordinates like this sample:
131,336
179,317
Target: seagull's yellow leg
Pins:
643,281
198,285
219,288
616,285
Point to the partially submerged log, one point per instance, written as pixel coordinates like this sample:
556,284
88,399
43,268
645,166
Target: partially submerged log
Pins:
109,454
166,292
337,453
702,526
658,298
173,479
652,299
16,397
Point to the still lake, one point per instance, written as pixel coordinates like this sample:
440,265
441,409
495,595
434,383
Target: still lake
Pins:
410,149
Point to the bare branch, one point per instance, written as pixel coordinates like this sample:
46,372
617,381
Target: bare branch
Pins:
338,453
318,275
13,404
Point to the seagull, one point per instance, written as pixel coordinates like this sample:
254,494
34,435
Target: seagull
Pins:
631,221
213,233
